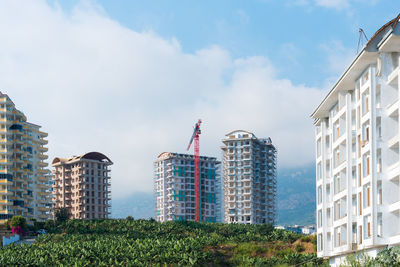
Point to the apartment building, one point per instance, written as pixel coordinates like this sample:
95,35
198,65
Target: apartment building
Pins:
82,184
174,188
23,188
357,153
249,178
49,196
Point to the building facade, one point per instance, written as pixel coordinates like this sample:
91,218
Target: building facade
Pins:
23,181
357,153
174,188
82,184
249,178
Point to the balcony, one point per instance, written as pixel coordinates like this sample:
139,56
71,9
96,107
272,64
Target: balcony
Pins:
394,207
392,108
364,143
42,156
43,134
5,181
394,141
43,149
44,142
6,202
5,192
394,171
392,78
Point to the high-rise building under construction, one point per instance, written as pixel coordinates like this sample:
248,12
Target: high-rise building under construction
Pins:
174,188
24,184
249,178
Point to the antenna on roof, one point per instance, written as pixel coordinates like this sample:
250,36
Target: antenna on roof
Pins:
361,40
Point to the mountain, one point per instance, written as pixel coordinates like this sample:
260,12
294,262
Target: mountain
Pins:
139,205
296,196
295,193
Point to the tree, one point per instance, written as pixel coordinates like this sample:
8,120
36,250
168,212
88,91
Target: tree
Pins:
61,215
49,225
18,224
18,221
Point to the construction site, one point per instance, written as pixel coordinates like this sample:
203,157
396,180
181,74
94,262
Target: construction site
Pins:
199,188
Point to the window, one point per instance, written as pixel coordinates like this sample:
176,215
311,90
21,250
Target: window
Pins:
320,218
379,219
319,241
319,194
369,229
379,189
367,226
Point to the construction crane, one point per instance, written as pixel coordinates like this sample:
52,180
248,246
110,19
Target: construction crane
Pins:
195,137
361,39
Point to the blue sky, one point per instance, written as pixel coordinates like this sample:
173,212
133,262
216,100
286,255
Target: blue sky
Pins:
130,78
291,33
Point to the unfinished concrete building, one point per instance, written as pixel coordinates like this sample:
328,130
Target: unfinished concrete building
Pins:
249,178
175,188
82,184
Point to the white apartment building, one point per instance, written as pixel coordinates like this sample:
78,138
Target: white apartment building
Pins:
174,188
23,167
357,153
249,178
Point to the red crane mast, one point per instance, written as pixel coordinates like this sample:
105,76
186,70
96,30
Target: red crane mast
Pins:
195,137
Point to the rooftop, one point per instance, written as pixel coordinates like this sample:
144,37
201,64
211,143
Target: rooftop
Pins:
386,39
97,156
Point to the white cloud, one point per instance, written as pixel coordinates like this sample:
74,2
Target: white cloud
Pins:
335,4
290,53
95,85
338,58
244,18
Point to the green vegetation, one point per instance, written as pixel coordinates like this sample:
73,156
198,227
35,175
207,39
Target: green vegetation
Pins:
386,258
61,215
128,242
18,221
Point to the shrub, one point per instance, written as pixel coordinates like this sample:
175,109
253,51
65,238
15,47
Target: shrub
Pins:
283,252
18,230
306,238
299,247
265,229
38,225
61,215
359,259
250,249
49,225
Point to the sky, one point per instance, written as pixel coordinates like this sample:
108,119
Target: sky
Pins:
130,78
